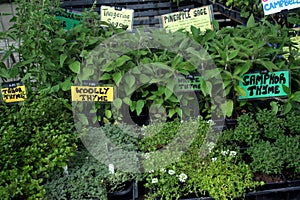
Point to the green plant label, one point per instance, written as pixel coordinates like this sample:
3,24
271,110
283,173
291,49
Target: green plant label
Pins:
189,83
13,92
198,17
265,85
88,93
69,19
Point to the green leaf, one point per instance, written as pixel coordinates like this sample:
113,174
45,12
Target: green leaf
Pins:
240,90
122,60
139,106
59,41
241,70
75,67
275,107
117,103
13,72
144,78
127,100
66,85
62,59
130,80
168,93
117,77
287,90
171,112
287,108
88,71
195,31
105,77
233,54
108,114
251,22
4,73
83,119
296,96
55,88
179,111
229,108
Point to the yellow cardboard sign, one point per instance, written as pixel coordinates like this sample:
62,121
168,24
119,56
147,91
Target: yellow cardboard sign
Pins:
13,94
199,17
88,93
117,18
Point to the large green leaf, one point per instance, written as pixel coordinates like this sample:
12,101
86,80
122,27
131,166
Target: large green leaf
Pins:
130,80
75,67
62,59
117,103
117,77
122,60
139,106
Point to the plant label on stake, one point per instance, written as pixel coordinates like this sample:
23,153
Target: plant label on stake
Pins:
13,92
118,17
264,85
198,17
69,19
189,83
276,6
88,93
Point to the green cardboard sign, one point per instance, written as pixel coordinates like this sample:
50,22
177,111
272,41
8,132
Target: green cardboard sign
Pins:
69,19
189,83
265,85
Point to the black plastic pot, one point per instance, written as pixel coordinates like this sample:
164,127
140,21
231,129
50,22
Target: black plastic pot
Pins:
130,193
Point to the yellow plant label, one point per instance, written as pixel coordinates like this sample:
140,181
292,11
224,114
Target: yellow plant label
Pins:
13,94
117,17
198,17
87,93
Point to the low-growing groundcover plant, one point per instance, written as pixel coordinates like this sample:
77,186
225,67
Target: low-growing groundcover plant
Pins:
89,177
271,140
36,138
221,174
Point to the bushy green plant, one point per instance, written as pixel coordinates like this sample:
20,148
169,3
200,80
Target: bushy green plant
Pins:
289,152
37,137
272,126
196,173
227,177
292,122
89,176
247,130
83,180
277,157
50,57
265,158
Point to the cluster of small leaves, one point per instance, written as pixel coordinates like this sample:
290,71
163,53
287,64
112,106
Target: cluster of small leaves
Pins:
275,158
216,181
273,140
292,122
88,176
272,126
203,175
85,179
263,125
158,135
36,138
246,7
